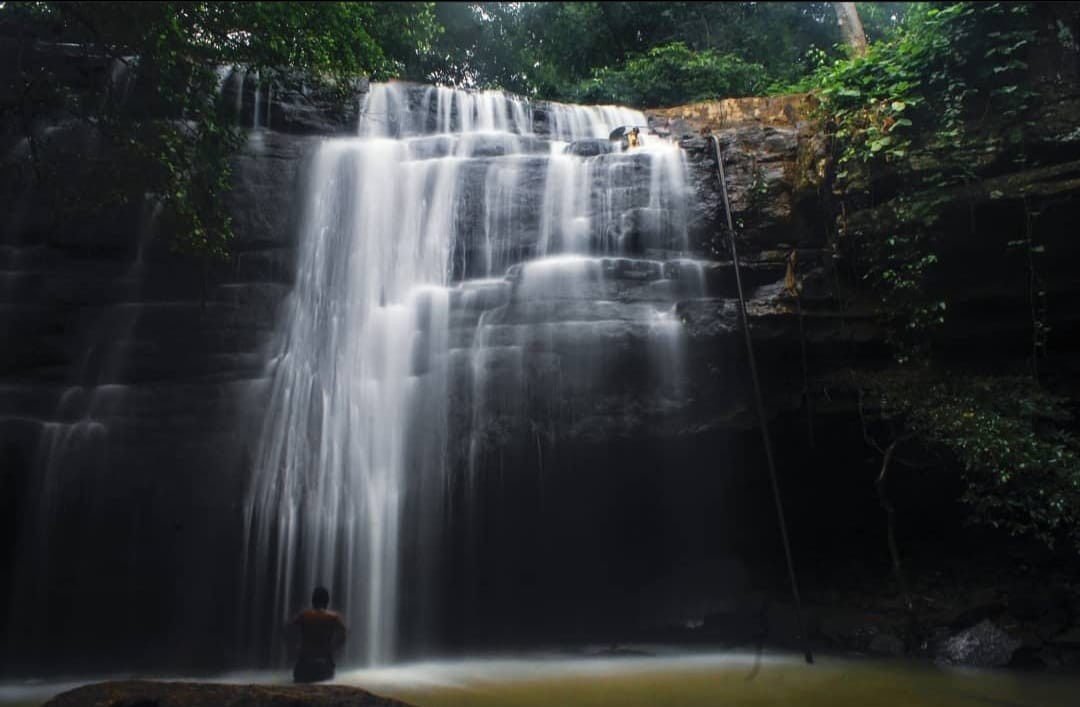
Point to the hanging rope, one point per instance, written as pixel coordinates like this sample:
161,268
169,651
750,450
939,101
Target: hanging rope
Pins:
761,405
791,284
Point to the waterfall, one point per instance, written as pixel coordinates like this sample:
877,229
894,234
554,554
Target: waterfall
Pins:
447,236
255,111
71,534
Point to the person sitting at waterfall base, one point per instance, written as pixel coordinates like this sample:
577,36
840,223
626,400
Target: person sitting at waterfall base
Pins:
633,139
320,632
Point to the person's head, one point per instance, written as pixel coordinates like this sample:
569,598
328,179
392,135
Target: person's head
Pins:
634,131
320,598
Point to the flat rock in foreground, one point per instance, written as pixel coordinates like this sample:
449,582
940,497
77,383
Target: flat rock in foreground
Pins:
151,693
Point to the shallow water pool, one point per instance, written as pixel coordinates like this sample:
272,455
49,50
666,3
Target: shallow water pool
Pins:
682,680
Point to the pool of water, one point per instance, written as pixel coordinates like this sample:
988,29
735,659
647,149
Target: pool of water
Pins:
742,679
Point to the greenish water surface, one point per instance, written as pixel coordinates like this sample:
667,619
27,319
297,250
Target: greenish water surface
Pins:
696,680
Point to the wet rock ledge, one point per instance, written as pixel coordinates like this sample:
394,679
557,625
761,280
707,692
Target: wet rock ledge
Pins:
150,693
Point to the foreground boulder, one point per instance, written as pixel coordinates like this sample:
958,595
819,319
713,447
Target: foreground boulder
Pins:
149,693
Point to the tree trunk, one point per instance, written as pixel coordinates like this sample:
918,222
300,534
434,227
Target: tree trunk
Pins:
851,26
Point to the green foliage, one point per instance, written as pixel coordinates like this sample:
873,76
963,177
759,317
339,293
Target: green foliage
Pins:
882,20
920,100
575,50
923,111
671,74
595,50
177,141
479,45
1020,464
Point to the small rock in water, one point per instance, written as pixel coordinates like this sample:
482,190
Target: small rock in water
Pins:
888,645
984,645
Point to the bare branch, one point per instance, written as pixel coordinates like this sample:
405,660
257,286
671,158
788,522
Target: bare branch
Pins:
890,515
866,432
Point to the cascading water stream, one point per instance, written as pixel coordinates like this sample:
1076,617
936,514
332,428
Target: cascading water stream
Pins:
405,233
73,481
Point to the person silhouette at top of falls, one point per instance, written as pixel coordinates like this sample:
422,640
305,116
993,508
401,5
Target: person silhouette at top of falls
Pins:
320,632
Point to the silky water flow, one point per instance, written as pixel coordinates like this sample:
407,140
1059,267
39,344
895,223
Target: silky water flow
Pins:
455,230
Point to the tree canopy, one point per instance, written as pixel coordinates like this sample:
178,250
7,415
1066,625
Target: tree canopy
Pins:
177,141
632,52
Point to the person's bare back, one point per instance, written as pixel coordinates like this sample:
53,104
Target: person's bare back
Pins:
320,632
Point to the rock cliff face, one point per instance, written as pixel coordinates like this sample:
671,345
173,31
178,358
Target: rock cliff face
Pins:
775,161
776,169
133,382
128,375
134,379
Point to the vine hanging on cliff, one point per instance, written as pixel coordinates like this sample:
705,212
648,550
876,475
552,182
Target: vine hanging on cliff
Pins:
912,125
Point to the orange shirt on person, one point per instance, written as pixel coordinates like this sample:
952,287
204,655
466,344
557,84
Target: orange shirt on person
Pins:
320,632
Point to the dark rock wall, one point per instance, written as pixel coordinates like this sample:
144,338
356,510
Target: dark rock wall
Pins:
775,168
132,381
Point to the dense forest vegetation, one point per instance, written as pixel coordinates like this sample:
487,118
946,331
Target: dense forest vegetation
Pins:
645,54
948,101
942,86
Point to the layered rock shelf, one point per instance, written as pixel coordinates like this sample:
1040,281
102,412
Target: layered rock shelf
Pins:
574,317
137,377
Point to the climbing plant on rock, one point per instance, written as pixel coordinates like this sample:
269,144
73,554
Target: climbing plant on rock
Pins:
913,124
922,111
